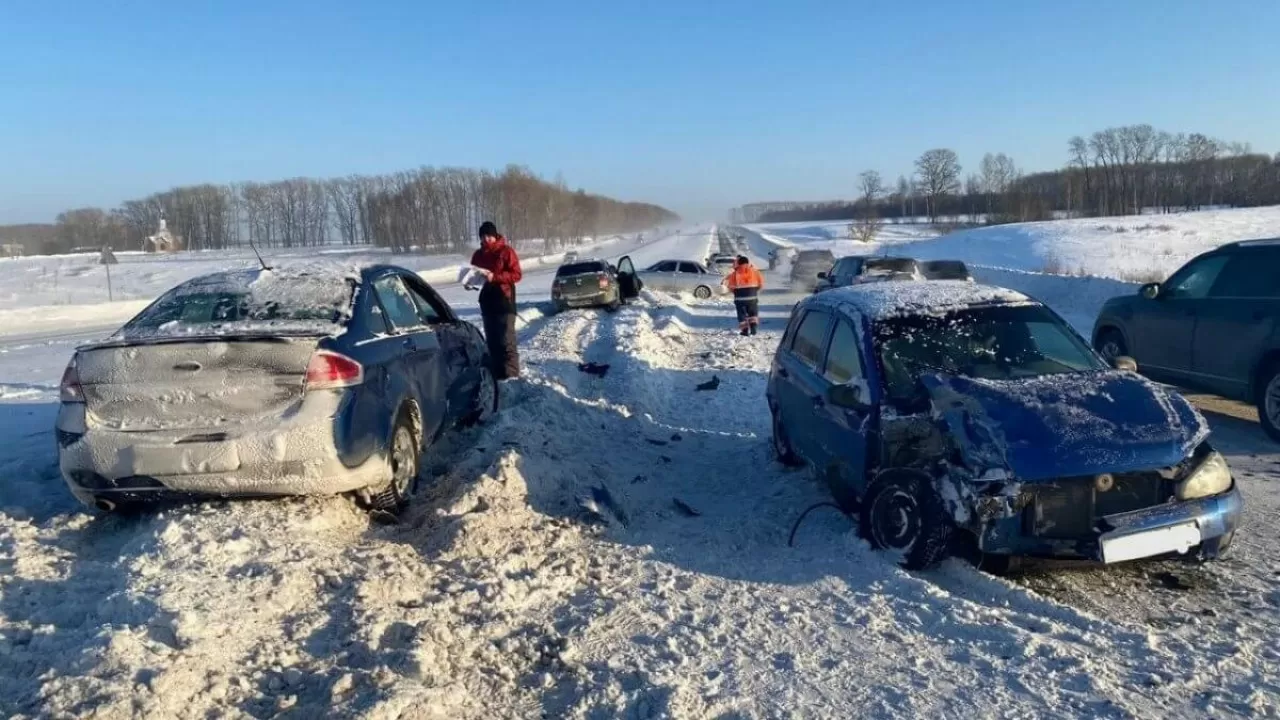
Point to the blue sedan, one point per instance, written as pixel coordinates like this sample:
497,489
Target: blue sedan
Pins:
308,380
942,409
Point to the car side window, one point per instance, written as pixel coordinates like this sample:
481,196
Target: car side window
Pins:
686,267
667,266
401,311
810,337
844,359
1250,275
1194,281
429,309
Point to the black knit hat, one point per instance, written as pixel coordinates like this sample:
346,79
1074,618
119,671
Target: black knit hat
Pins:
742,260
488,229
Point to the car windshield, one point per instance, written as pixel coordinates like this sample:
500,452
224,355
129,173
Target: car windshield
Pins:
581,268
249,302
1001,342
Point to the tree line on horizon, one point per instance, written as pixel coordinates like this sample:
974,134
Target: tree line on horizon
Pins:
432,210
1118,171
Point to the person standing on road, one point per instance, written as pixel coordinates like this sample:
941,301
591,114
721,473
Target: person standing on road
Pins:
746,282
500,265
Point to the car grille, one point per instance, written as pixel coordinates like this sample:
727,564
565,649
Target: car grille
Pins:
1071,507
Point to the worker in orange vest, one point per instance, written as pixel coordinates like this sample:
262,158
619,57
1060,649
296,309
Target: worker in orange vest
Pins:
746,282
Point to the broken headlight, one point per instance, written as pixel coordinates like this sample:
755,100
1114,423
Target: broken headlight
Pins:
1211,477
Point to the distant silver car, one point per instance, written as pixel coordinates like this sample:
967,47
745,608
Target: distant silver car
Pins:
681,276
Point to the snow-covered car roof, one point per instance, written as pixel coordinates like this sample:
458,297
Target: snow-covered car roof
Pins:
879,301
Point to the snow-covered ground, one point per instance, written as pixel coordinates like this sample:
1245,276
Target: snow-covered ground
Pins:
607,547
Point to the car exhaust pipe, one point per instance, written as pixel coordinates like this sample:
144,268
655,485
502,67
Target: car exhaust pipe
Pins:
104,505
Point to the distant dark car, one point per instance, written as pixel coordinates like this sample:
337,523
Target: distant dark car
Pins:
943,409
862,268
1214,325
302,381
944,270
807,265
584,284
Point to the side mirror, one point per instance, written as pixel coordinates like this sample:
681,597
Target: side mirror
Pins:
850,396
1150,291
822,276
1125,363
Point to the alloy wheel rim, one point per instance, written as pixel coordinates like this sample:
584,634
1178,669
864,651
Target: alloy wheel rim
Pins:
402,462
895,520
1272,404
1111,349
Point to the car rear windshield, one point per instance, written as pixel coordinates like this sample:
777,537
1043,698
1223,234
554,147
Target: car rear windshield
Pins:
889,265
254,302
581,268
999,342
946,270
816,256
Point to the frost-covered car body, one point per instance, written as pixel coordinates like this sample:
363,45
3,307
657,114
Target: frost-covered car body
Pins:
281,382
585,284
682,276
861,269
1000,420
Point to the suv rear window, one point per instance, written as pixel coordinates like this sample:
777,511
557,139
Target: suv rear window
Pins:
1250,274
581,268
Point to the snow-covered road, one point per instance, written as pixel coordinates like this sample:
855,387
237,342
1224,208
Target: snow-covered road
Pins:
608,547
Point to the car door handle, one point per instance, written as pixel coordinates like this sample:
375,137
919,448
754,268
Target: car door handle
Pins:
410,343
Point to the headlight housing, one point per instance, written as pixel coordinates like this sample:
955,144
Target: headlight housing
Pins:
1211,477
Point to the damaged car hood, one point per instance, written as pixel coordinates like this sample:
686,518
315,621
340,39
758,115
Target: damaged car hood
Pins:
1068,425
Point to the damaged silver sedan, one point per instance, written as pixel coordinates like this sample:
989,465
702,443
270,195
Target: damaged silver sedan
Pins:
947,411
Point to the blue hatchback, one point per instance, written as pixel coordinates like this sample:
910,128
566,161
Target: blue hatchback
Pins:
309,380
935,409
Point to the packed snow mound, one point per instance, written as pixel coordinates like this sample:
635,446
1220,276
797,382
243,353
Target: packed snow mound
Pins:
878,301
1133,248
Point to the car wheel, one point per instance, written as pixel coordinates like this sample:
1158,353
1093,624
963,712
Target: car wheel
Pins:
1110,344
904,514
485,404
702,292
1269,401
403,459
782,444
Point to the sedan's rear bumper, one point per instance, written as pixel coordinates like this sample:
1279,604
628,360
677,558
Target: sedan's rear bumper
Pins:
1205,526
297,456
604,297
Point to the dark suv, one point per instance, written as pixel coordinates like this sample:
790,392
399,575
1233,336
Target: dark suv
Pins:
1213,325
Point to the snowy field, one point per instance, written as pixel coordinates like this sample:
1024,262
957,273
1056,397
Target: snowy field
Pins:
513,589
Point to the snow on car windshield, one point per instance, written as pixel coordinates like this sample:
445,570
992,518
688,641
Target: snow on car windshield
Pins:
1002,342
294,301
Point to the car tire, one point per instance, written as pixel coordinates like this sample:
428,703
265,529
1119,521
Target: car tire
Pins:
1110,344
1268,400
487,400
404,457
782,449
903,513
702,292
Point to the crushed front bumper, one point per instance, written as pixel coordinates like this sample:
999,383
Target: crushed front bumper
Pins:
1205,526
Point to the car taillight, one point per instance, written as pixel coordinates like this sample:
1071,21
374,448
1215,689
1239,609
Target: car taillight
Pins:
69,391
604,281
329,370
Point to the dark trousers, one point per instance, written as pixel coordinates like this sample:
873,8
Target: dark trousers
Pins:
500,334
748,312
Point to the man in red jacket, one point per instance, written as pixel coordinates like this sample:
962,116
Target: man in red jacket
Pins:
497,261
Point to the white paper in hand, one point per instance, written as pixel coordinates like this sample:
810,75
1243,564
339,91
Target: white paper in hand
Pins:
471,277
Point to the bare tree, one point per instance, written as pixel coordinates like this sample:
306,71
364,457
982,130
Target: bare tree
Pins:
939,174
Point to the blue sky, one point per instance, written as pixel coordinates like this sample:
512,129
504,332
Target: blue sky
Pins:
695,105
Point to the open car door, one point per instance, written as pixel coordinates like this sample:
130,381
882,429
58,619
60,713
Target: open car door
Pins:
628,281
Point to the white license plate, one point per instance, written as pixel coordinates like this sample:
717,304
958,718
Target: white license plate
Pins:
185,459
1177,538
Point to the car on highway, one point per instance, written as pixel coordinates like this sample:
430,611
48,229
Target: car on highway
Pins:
862,268
680,276
292,381
724,264
585,284
570,257
944,270
1214,325
806,266
950,415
